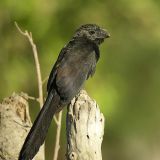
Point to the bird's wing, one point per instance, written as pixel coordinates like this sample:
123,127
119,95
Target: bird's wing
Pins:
52,75
73,72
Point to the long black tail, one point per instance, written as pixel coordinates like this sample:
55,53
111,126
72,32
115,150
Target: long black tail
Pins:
40,127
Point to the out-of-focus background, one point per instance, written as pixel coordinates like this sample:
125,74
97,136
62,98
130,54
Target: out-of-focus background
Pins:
127,81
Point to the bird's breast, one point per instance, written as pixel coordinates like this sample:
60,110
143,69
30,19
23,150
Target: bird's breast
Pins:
72,73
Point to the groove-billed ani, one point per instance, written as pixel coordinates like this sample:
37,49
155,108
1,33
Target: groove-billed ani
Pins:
75,64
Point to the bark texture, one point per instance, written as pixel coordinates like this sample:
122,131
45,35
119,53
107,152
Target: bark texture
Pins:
15,123
85,129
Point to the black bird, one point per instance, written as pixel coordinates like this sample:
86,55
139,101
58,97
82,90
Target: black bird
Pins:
75,64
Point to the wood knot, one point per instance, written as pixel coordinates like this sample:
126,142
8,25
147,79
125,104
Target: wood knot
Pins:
73,156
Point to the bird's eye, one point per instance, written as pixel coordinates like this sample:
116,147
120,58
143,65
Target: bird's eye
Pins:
91,32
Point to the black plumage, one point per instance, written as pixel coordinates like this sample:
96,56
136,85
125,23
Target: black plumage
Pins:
75,64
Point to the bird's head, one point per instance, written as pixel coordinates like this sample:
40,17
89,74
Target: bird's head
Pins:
92,32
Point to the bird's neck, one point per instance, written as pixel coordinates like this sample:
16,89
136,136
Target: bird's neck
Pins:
85,41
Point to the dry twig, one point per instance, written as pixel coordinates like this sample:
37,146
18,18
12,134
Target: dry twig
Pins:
40,88
58,121
45,80
37,64
34,48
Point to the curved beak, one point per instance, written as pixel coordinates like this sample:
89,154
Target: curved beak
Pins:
105,33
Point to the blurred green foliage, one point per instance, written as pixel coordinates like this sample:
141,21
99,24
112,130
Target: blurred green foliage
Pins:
127,82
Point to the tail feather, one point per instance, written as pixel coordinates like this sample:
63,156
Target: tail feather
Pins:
40,127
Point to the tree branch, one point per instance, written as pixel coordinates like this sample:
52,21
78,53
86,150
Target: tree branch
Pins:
40,88
58,121
38,71
85,129
43,82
